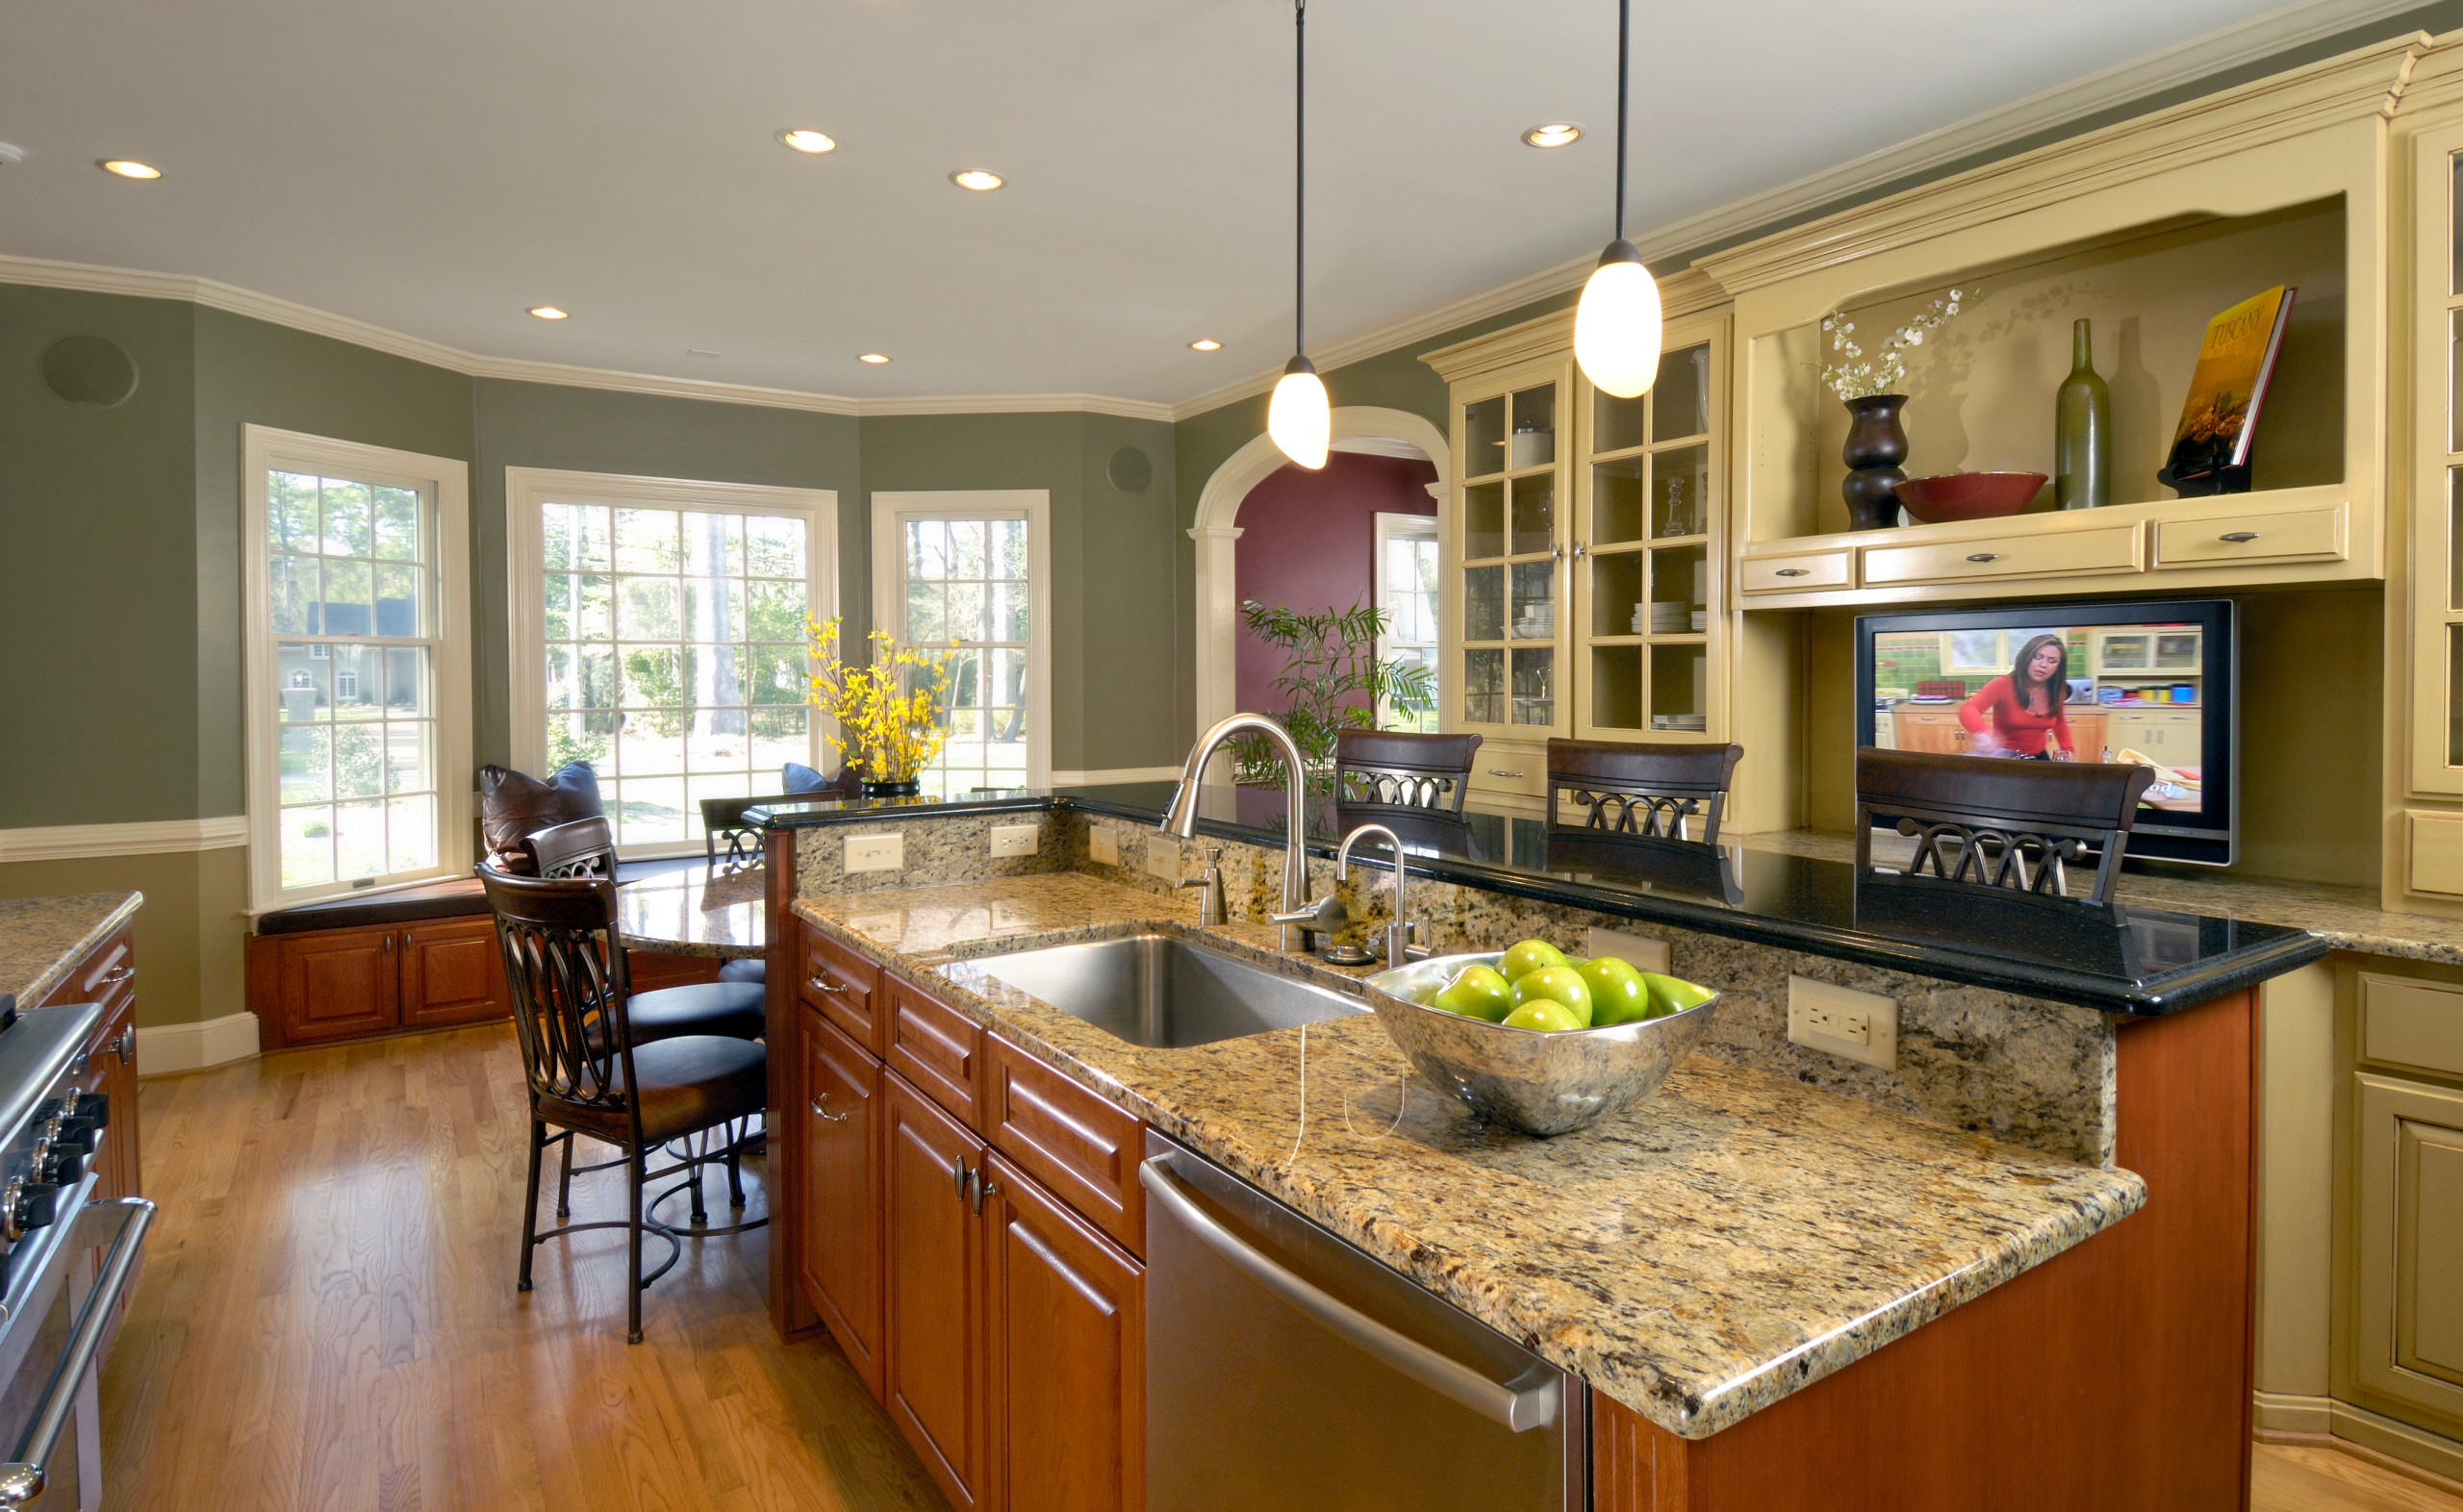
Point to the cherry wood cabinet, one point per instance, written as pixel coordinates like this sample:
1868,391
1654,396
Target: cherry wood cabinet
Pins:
106,975
327,984
839,1261
935,1296
451,974
1068,1360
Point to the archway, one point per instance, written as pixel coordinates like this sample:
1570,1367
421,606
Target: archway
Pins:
1217,536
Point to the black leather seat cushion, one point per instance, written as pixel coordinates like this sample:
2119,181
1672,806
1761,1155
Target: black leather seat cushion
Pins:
732,1010
687,1084
751,969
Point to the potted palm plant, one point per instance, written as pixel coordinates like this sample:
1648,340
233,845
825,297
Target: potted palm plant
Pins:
1333,681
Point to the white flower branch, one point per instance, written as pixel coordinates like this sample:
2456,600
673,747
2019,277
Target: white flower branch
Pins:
1851,377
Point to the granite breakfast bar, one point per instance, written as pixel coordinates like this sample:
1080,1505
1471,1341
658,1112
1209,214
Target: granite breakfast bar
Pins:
2019,1263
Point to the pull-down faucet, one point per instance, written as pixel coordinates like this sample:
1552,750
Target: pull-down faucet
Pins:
1298,918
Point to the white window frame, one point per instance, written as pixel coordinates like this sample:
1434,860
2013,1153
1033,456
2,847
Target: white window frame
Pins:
262,449
1393,526
526,488
889,572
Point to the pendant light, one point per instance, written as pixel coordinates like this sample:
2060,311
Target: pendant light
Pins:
1617,327
1298,417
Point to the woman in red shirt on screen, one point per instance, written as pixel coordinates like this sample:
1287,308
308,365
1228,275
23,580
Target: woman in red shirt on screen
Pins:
2020,715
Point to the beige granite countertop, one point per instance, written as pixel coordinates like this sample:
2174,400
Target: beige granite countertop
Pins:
689,912
2345,918
1733,1239
39,936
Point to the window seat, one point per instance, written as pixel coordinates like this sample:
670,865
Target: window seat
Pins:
449,897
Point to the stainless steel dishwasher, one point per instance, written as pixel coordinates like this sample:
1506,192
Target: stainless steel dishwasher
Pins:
1285,1368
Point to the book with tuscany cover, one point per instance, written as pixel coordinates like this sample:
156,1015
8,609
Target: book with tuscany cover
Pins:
2220,418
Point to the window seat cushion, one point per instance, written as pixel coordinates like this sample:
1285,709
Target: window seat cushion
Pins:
450,898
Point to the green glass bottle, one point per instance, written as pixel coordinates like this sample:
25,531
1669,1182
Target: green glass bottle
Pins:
2082,430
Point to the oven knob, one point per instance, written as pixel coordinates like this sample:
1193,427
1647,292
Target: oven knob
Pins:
28,1205
77,1134
95,1107
61,1168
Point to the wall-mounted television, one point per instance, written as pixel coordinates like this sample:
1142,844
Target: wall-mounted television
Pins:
2149,683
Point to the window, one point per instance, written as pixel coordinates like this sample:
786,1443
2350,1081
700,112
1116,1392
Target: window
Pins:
1407,575
357,666
968,572
660,636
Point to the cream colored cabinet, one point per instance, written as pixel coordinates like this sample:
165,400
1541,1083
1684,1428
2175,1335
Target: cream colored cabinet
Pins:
2171,736
1584,575
2408,1304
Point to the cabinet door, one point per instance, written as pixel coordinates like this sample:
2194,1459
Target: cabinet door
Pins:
839,1248
2409,1314
2435,602
1506,612
453,973
935,1378
1068,1323
335,983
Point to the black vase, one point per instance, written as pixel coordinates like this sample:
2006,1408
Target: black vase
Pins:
1876,445
907,789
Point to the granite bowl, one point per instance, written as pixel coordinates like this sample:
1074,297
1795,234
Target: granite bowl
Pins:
1540,1082
1954,496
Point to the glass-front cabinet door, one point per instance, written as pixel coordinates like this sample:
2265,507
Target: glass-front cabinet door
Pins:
1508,550
2437,489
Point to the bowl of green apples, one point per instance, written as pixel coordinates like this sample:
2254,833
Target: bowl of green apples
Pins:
1539,1041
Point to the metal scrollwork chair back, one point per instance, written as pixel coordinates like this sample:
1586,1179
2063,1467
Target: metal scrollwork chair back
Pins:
578,848
1400,769
1997,822
728,842
1649,788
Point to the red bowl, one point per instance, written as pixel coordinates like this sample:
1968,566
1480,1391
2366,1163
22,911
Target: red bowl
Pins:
1968,495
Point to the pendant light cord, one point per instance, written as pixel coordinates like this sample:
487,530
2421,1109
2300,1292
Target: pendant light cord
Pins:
1300,176
1624,62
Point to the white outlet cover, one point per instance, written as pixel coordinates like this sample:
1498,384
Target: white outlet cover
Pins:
1642,952
1103,846
1014,840
1807,999
876,852
1164,857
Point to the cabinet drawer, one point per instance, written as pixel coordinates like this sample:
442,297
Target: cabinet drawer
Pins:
2103,548
1793,573
1083,1148
1523,772
2300,535
939,1050
2437,853
843,987
2411,1023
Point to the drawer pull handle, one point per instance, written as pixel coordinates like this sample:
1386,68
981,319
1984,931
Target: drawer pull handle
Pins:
118,974
1985,556
1500,772
2236,537
821,1109
822,984
1796,572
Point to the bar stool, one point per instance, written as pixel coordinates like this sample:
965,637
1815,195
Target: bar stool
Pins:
738,1009
1645,788
1997,822
588,1074
1400,769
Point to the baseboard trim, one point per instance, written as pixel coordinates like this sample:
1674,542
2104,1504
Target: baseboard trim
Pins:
1108,775
2284,1417
2399,1448
166,1048
155,837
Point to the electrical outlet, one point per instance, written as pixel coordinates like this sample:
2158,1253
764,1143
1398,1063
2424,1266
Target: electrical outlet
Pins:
1641,951
1164,857
876,852
1014,840
1103,846
1839,1021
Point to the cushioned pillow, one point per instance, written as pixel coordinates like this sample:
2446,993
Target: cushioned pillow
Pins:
801,778
512,804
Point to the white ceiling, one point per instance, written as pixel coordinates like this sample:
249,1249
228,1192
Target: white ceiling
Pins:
437,167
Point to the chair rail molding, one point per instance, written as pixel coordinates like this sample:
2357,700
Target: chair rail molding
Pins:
1217,536
151,837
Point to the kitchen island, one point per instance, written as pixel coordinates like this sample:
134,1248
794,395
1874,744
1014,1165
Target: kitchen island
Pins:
1787,1281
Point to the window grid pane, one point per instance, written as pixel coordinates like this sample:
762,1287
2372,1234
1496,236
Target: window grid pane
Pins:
965,591
675,658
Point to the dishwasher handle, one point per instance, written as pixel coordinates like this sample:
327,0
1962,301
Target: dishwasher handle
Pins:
1519,1408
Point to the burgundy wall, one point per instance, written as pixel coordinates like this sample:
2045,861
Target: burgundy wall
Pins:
1307,543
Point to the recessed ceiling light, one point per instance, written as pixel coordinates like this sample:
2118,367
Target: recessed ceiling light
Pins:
130,168
547,311
1206,344
975,179
874,357
1556,134
812,142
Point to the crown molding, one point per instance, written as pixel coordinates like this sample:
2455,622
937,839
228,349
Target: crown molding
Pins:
1020,404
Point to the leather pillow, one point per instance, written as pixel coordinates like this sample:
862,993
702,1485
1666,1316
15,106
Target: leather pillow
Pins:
512,804
801,778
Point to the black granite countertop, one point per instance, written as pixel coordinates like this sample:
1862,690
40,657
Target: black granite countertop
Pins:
2127,959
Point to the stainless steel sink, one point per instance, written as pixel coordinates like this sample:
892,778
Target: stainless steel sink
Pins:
1161,990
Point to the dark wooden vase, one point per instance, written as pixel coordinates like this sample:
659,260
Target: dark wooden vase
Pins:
1876,445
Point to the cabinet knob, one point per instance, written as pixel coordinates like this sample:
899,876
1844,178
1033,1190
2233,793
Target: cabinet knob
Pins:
2238,536
1985,556
959,1176
125,1047
1582,549
1794,572
985,1187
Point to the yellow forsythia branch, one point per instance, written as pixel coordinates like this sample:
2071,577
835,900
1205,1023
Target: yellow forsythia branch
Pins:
893,732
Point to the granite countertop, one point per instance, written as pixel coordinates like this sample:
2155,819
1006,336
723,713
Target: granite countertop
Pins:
41,936
689,912
1729,1241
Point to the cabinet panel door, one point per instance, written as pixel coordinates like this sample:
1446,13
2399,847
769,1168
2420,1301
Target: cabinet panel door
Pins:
2409,1316
335,983
453,973
935,1379
840,1244
1068,1357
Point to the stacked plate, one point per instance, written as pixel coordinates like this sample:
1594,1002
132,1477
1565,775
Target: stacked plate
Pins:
1680,722
1670,617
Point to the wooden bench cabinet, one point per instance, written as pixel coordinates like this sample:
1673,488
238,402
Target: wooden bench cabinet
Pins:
339,984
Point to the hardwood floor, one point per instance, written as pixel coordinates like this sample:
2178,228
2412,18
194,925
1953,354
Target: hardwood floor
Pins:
327,1318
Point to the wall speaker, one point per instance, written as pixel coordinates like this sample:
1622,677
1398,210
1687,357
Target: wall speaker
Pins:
88,370
1129,470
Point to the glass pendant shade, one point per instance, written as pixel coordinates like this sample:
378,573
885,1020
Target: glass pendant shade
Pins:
1299,419
1616,326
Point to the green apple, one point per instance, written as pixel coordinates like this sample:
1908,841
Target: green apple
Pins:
1670,995
1617,993
1557,984
1477,992
1526,956
1542,1013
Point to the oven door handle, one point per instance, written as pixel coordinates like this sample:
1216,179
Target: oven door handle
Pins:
23,1481
1516,1405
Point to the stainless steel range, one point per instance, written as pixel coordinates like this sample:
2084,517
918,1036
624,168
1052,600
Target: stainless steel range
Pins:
65,1262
